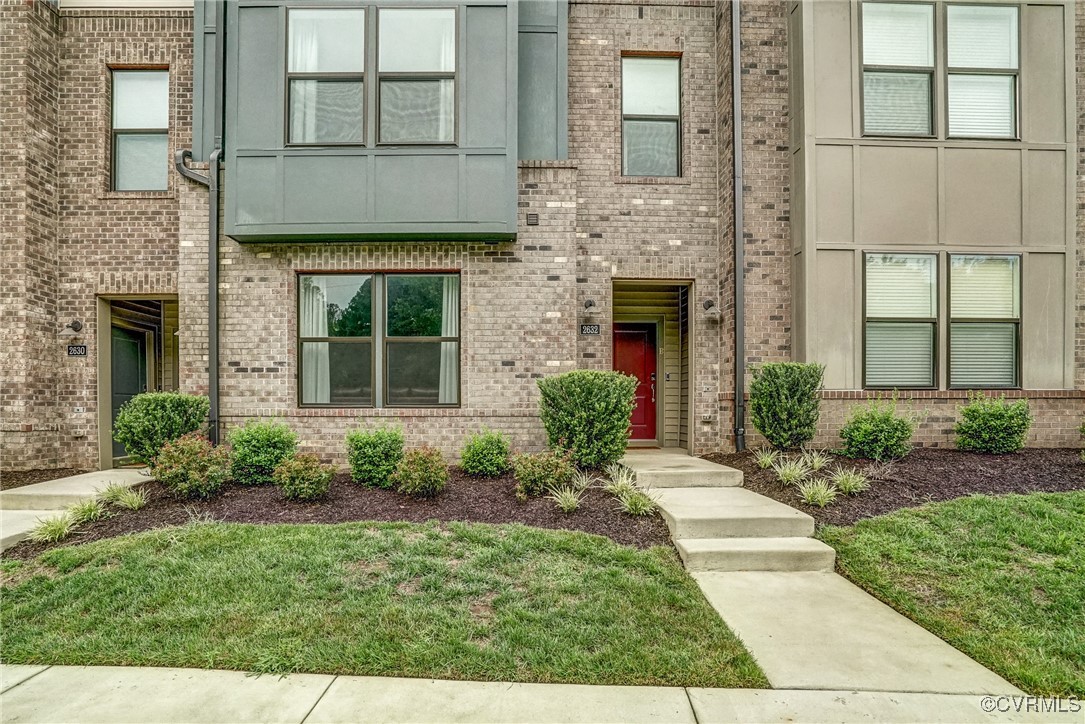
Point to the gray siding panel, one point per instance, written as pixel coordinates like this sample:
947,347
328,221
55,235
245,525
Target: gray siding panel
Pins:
486,117
543,104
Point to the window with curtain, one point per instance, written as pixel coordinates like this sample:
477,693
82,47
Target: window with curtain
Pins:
379,340
416,63
140,120
325,76
651,116
898,69
982,62
985,320
901,326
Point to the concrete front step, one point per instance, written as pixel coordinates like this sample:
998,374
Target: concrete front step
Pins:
676,469
729,513
15,525
755,554
59,494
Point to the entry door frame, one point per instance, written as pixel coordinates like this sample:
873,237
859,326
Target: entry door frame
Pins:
659,321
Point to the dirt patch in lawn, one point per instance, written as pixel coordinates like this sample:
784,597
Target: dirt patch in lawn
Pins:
475,500
925,475
17,479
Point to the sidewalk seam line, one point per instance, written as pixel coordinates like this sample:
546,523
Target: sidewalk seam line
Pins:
692,710
13,686
318,699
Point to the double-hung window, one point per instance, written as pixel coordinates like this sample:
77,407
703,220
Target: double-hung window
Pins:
384,340
651,119
326,76
140,121
901,331
898,69
985,320
417,75
982,42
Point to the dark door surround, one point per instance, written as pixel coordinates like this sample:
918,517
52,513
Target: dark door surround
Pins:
128,372
636,353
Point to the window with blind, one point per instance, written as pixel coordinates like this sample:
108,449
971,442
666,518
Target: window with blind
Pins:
416,63
651,119
982,62
140,120
985,321
325,76
900,334
898,69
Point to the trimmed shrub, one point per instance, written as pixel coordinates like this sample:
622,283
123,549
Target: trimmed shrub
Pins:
992,425
373,455
538,473
303,477
785,402
421,473
191,467
486,454
259,448
148,421
877,432
587,412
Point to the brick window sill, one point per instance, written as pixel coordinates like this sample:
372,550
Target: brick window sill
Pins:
129,195
652,180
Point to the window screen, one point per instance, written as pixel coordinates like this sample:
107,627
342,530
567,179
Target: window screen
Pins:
417,65
325,75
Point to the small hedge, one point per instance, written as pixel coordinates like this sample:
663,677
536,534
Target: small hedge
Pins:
421,473
259,448
539,473
587,412
303,477
785,402
992,425
485,454
877,432
191,467
373,455
148,421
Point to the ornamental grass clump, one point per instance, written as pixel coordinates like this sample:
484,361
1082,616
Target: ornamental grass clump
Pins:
131,499
620,480
819,492
765,457
303,477
486,454
587,412
791,472
637,503
536,473
87,511
875,431
191,467
257,449
52,530
373,455
422,473
990,425
785,402
849,482
150,420
582,480
816,460
566,498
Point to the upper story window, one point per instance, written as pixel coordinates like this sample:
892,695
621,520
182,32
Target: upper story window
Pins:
985,320
651,116
901,332
979,58
140,120
417,68
326,76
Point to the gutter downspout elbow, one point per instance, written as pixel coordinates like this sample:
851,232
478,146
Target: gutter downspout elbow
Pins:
740,250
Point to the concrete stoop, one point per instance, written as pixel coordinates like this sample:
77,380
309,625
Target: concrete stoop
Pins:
755,554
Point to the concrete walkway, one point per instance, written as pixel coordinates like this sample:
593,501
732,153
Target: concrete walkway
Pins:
116,694
22,508
773,585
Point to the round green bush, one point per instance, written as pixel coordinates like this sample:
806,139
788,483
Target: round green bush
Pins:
993,425
785,402
485,454
258,448
191,467
539,473
421,473
303,477
148,421
877,432
587,412
373,455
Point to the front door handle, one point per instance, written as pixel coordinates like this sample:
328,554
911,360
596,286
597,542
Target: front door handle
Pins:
653,393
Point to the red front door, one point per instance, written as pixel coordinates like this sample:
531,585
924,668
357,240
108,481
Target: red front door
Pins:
635,354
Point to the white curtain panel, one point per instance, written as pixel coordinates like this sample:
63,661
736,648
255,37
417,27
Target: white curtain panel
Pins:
304,58
316,370
450,327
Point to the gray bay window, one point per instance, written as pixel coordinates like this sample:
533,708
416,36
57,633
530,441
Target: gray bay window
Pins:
901,328
384,340
417,67
651,119
326,76
140,120
985,320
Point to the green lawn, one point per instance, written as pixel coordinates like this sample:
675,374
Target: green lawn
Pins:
456,601
1001,578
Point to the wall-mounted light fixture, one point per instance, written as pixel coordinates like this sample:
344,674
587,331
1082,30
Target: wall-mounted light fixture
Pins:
71,329
711,310
590,308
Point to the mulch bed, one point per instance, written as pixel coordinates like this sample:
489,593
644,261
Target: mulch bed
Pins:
467,499
925,475
17,479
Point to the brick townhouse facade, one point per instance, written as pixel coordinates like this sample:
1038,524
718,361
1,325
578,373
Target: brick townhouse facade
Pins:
416,237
